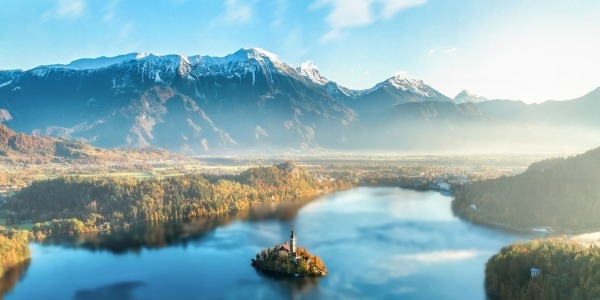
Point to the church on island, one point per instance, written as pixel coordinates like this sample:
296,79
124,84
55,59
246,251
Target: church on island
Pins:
289,259
289,248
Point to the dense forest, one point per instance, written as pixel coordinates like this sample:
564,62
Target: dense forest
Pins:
282,262
80,204
13,248
568,270
562,193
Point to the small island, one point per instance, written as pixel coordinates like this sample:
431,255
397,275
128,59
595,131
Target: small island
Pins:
290,260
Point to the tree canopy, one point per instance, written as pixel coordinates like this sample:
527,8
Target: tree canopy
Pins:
80,204
303,263
568,270
562,192
13,248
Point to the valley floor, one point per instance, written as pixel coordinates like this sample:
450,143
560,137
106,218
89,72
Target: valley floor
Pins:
14,176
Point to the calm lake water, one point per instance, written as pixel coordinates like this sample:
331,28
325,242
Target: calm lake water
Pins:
377,243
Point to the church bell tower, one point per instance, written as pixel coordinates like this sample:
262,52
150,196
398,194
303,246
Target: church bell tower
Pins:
292,242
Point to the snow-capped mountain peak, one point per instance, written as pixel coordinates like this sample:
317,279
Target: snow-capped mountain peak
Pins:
310,71
100,62
242,61
402,81
466,96
257,53
248,54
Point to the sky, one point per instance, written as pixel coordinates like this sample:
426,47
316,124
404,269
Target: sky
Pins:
532,50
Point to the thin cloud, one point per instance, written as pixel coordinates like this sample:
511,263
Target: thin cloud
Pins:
237,11
392,7
433,51
110,10
333,34
294,42
66,9
126,30
347,14
279,8
449,50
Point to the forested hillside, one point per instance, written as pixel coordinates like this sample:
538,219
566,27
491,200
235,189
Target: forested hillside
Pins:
563,193
20,146
77,204
567,271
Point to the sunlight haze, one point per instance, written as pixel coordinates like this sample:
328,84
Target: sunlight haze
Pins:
519,50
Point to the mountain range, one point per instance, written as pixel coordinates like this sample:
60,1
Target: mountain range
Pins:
252,100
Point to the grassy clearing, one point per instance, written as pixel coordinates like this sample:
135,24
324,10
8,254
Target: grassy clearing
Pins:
25,226
3,216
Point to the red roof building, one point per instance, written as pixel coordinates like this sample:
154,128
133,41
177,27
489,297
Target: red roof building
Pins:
285,247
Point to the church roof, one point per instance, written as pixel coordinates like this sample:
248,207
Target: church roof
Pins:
285,247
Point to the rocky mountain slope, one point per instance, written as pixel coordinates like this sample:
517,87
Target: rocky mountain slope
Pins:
252,100
466,96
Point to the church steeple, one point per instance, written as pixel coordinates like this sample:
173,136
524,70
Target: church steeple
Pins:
292,241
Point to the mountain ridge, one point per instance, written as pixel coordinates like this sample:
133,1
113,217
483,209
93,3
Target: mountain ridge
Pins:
250,99
401,81
466,96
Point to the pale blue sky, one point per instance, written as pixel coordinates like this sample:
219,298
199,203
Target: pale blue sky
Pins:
532,50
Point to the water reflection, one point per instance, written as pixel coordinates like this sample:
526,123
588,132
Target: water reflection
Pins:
119,290
377,243
12,276
291,287
155,236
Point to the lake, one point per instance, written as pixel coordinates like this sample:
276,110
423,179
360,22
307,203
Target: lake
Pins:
377,243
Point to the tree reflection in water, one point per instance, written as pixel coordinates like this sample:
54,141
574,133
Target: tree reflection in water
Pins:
155,236
12,276
119,290
292,287
158,235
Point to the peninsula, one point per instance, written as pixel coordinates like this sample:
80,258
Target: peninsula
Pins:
289,259
557,195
